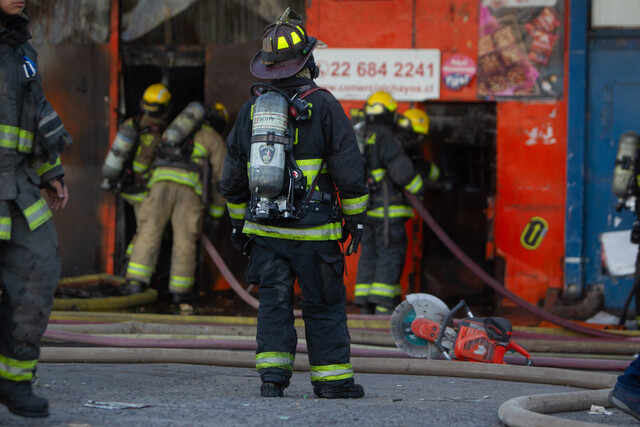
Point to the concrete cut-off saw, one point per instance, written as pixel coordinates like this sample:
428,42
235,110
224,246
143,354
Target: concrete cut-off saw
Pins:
422,326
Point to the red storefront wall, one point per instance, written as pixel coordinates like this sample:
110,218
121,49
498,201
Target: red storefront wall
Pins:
530,171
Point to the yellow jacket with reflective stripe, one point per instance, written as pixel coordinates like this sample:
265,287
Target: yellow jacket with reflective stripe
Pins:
208,151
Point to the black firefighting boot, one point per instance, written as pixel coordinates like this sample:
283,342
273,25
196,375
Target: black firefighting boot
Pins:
338,390
132,287
368,308
183,303
271,389
19,398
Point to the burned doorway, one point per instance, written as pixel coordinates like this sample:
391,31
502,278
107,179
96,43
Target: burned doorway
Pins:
462,143
182,70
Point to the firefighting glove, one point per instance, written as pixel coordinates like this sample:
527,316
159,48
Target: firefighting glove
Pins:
240,240
354,227
52,135
635,232
210,227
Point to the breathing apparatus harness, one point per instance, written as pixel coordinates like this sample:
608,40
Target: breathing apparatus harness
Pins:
176,147
277,184
130,182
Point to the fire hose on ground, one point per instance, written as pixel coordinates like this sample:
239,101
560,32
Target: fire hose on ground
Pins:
521,411
218,342
533,342
527,410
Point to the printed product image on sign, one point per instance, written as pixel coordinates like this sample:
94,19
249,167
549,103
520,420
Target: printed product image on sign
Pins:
520,49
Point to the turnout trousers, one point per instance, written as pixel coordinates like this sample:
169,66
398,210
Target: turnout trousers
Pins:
29,274
168,201
319,266
381,263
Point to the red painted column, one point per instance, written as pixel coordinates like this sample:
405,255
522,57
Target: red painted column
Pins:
108,208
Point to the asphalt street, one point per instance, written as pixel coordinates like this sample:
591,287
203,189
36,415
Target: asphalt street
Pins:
83,394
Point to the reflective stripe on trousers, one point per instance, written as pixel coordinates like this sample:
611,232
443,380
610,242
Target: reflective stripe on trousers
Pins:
331,372
275,359
16,370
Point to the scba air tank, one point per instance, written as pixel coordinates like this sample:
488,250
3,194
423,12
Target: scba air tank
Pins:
119,153
268,139
624,169
184,124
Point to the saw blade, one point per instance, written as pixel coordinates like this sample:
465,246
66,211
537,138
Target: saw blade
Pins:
416,305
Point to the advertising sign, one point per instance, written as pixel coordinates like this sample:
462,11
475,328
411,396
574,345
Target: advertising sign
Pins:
520,49
354,74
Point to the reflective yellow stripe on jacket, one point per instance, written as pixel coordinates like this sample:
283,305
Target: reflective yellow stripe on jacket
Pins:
216,211
5,228
16,138
184,177
43,167
331,231
236,210
395,211
37,214
355,206
310,169
415,185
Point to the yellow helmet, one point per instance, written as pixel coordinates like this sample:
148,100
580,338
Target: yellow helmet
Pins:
217,116
380,102
156,99
415,120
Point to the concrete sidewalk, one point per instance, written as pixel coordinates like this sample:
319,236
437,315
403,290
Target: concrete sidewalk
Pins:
198,395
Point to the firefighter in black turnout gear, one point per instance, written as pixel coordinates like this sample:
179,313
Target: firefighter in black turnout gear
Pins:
412,129
384,241
290,149
31,137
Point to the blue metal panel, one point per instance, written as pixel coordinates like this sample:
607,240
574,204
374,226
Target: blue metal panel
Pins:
613,98
576,102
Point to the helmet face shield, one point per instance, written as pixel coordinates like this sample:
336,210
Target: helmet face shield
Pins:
380,108
375,109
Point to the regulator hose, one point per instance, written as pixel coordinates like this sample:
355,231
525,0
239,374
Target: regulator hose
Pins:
494,284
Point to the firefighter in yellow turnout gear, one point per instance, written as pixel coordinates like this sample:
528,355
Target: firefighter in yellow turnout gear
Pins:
190,150
126,168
